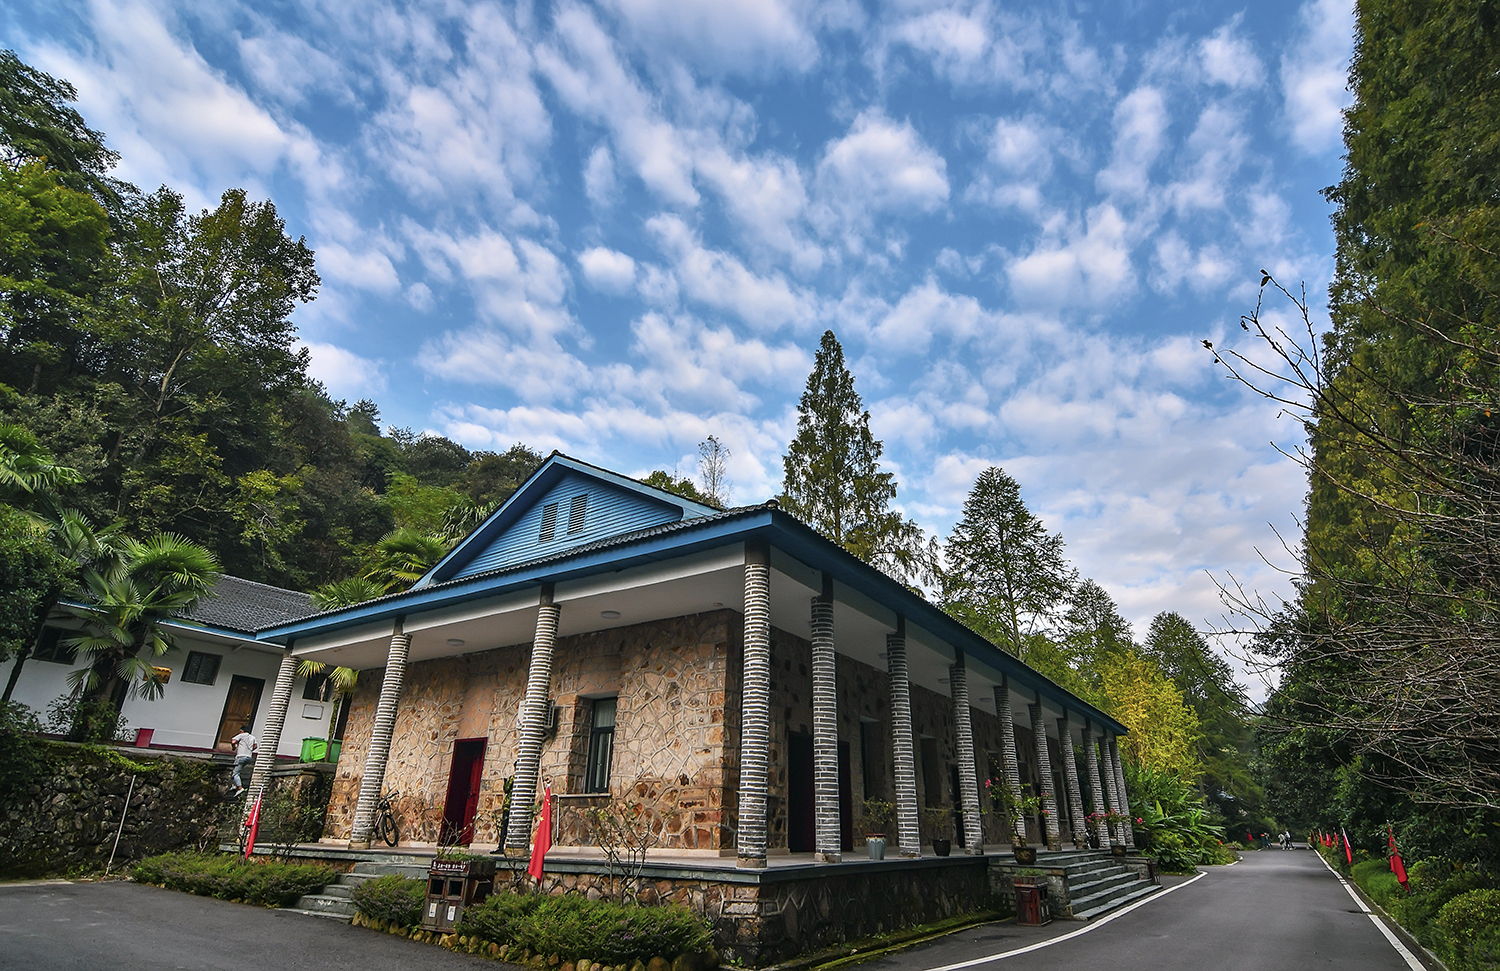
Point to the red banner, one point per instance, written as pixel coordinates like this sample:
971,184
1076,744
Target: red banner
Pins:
254,825
1348,850
543,841
1397,866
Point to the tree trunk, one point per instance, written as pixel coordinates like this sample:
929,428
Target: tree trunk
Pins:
26,651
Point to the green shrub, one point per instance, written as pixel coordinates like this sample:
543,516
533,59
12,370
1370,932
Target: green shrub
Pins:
576,927
393,899
1220,854
495,919
1470,924
1375,878
227,877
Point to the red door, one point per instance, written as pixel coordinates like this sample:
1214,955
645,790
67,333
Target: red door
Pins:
463,791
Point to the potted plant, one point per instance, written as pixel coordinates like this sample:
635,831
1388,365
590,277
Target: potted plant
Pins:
1014,808
1092,822
1112,819
940,819
874,814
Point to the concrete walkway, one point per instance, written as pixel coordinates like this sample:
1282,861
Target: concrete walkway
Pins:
1275,910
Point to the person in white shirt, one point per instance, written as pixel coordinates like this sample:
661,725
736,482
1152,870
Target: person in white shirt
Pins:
245,746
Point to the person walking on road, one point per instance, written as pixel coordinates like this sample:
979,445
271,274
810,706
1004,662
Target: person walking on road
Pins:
245,747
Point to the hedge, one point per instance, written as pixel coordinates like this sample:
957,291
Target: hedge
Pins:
227,877
574,927
393,899
1470,924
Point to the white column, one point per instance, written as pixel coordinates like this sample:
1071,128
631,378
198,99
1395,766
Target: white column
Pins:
825,712
1112,792
755,709
1070,776
968,783
1096,786
533,723
903,759
1008,761
1114,755
1044,772
373,779
270,733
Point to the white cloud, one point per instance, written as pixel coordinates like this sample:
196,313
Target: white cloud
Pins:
608,270
719,280
1140,135
1314,74
1089,268
344,373
599,177
881,166
368,269
754,37
521,285
1230,60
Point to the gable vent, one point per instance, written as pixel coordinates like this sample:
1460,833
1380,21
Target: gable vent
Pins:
549,522
575,514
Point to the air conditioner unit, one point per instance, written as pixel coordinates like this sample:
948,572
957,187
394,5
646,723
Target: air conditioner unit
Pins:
553,713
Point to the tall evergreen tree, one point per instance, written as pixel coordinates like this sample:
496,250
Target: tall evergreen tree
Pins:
833,480
1005,575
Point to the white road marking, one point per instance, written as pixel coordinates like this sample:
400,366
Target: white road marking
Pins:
1401,949
1091,926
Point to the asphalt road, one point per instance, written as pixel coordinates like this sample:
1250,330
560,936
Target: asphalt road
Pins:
1276,910
119,926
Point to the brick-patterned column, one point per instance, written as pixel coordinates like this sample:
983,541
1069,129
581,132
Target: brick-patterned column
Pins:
533,727
380,739
1044,771
755,709
1114,756
828,841
1009,764
270,733
903,759
968,783
1112,793
1070,776
1096,787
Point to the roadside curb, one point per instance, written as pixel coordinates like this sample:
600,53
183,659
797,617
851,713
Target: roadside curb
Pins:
829,961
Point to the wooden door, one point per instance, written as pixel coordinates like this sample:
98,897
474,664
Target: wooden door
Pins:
239,710
463,791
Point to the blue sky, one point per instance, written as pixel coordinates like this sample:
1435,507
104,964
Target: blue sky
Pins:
615,229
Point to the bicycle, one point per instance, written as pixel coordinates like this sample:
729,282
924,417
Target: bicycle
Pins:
385,822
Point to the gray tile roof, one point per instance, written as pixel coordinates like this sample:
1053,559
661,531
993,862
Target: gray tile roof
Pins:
247,606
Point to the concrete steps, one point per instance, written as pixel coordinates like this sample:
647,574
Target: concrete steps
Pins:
1098,885
336,901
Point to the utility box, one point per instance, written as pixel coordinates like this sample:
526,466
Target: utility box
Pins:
1031,903
453,885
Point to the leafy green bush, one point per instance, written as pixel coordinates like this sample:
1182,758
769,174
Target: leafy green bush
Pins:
1220,854
23,757
393,899
1470,924
1375,878
227,877
576,927
495,919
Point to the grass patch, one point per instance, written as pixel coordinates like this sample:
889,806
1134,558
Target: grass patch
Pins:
227,877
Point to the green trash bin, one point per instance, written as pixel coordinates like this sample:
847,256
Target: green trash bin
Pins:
334,747
314,749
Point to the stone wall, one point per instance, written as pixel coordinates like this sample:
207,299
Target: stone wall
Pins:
67,819
668,676
761,917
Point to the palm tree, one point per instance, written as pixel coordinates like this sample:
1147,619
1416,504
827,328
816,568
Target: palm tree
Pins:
341,680
84,548
127,602
403,556
29,476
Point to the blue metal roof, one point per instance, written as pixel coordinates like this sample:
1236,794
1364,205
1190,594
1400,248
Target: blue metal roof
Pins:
670,540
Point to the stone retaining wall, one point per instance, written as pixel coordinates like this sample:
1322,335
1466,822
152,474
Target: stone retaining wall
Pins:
763,917
67,819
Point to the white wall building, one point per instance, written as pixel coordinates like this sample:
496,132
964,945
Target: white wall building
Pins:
220,676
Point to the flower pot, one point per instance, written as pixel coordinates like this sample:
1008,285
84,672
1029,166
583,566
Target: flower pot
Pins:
1093,841
875,846
1025,855
942,847
1118,852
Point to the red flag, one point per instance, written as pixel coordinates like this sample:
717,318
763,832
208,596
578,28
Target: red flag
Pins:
254,823
543,841
1397,867
1348,850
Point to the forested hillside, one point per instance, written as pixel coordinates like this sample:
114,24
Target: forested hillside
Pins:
1389,710
152,349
